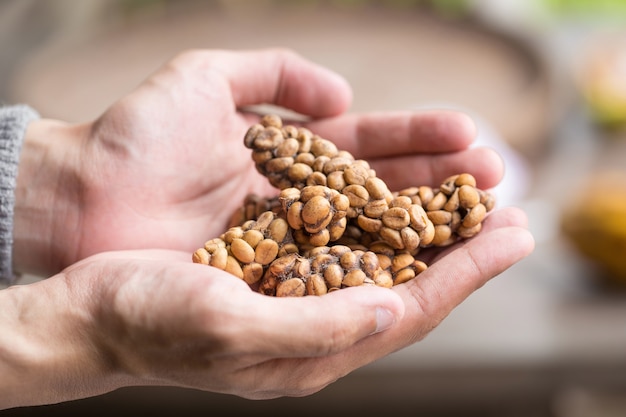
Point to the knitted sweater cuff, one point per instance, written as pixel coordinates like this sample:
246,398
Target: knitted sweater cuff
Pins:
13,123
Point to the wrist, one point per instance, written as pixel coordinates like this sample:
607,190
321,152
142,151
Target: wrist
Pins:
47,349
46,198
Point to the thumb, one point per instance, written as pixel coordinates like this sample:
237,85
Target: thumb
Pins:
321,325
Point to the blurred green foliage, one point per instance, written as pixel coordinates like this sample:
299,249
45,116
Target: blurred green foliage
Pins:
450,8
447,7
444,6
586,7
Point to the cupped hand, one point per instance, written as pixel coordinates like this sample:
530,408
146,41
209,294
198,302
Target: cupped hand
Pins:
428,299
153,318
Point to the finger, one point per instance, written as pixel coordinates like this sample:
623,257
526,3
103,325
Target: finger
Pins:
313,326
437,291
283,78
450,280
377,135
416,170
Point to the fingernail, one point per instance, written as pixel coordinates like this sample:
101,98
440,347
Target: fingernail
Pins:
384,319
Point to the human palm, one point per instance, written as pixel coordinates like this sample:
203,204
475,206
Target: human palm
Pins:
166,166
169,176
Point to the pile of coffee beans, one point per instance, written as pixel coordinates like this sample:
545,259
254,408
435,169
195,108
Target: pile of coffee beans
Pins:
335,224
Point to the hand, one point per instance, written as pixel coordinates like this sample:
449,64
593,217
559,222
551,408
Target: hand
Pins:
165,166
154,318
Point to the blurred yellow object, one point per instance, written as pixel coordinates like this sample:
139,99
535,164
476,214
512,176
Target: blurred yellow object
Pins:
595,222
603,81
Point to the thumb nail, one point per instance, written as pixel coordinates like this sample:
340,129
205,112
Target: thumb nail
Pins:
384,319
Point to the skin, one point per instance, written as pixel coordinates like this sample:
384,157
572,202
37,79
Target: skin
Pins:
111,211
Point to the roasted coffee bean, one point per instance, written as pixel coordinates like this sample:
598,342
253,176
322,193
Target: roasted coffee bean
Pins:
427,234
357,194
336,164
233,267
442,235
290,131
410,238
392,236
438,201
377,188
487,200
354,278
356,174
337,229
453,202
299,172
287,148
316,178
468,196
242,251
404,275
375,208
201,256
401,261
350,260
292,287
268,138
402,201
268,284
323,147
440,217
333,275
253,237
219,258
266,251
315,285
418,217
396,218
320,238
475,216
368,224
383,279
336,181
278,230
467,232
294,215
252,273
272,120
465,179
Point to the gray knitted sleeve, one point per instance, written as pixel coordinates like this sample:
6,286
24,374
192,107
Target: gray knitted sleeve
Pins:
13,123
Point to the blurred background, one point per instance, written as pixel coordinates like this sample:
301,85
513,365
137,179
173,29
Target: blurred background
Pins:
546,81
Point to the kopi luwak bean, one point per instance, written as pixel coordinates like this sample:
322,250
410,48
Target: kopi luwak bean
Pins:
335,224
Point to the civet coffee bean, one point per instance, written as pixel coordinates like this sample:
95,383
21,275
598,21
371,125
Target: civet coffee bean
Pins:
334,224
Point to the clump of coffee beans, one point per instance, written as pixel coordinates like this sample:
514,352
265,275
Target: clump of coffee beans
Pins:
246,251
335,224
